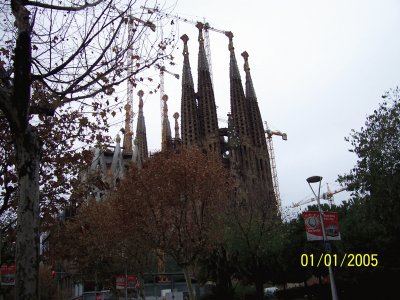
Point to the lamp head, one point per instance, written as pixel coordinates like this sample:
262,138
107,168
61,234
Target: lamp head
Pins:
314,179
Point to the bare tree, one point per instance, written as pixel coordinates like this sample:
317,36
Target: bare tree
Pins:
73,53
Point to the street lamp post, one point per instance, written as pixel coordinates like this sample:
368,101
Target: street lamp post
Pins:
315,179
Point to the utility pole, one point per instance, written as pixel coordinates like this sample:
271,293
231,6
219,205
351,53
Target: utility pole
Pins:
315,179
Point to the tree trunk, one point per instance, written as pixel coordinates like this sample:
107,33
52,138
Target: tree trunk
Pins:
27,245
189,283
259,290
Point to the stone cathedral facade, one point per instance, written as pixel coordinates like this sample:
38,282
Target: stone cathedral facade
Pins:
241,145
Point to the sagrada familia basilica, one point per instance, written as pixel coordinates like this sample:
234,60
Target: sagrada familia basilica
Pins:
241,145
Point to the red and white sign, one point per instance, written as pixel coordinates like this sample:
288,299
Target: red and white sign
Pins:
132,282
313,226
8,274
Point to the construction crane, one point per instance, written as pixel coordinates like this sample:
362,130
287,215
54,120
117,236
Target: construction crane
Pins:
329,194
206,27
271,153
163,70
128,130
325,196
162,91
162,88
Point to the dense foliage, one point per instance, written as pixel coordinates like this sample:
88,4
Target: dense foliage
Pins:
171,206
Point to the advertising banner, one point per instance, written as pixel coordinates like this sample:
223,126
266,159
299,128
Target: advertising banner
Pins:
120,282
314,229
8,274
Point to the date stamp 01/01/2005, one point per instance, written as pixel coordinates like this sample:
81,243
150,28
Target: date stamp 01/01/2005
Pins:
347,260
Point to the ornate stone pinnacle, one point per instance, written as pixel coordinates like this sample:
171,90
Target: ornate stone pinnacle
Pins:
176,116
185,39
246,61
165,99
229,34
140,94
200,26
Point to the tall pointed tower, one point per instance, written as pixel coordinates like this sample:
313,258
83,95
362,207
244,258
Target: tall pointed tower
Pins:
238,100
166,126
242,144
176,127
141,151
262,182
242,156
128,131
256,124
190,127
207,111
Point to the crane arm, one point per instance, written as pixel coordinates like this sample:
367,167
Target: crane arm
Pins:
330,194
325,196
208,27
171,16
303,202
147,23
270,133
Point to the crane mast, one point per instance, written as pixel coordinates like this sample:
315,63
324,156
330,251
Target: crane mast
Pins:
162,90
162,71
271,153
208,50
329,194
128,135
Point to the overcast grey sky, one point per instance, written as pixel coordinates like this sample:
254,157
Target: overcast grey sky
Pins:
319,67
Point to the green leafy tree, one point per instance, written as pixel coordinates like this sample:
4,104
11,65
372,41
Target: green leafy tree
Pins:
371,223
251,237
372,217
220,267
290,245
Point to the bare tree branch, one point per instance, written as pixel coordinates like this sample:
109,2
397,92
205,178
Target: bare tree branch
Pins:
86,41
63,8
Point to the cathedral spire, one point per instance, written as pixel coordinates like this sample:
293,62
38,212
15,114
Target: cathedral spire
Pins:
202,62
176,116
166,127
238,100
256,124
128,132
189,118
206,100
141,151
116,164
